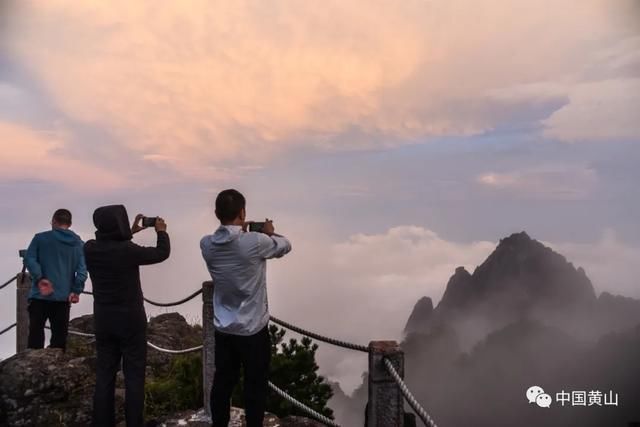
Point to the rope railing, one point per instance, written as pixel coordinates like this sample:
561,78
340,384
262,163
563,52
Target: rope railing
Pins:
164,304
411,400
166,350
149,343
328,340
172,304
280,392
318,416
8,328
78,333
8,282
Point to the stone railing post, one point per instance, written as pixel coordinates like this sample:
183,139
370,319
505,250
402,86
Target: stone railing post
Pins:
385,407
208,338
22,315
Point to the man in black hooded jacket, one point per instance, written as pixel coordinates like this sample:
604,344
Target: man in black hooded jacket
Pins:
113,261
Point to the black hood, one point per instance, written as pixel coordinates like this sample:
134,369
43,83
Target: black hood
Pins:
112,223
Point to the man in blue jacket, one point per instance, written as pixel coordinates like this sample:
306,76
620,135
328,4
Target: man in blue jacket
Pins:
55,259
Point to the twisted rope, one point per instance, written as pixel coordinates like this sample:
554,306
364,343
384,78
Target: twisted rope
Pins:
172,304
8,328
165,304
411,400
328,340
166,350
150,344
318,416
5,284
78,333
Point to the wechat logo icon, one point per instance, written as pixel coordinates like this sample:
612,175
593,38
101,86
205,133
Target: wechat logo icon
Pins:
536,394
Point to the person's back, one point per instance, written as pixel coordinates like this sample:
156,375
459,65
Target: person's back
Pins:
236,260
59,254
114,260
120,320
237,263
56,263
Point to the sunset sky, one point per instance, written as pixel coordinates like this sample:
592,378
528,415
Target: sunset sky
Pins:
390,141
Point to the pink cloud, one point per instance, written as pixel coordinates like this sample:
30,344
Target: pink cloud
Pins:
204,84
28,154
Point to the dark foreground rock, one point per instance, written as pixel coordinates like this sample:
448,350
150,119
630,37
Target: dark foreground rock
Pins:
195,419
46,388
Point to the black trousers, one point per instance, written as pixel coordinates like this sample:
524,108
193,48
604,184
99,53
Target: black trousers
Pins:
121,335
253,354
58,314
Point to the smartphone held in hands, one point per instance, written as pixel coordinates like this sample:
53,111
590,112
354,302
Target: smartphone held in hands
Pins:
256,226
149,221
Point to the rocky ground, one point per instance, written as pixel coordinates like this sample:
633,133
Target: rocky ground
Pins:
195,419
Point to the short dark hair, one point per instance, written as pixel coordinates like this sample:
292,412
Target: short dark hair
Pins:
229,203
62,216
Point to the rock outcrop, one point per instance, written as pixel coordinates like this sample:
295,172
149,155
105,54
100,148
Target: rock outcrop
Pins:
46,388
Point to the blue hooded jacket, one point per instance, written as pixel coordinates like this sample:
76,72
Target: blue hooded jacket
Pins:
56,255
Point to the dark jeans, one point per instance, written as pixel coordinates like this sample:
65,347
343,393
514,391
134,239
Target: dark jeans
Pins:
58,314
253,353
121,334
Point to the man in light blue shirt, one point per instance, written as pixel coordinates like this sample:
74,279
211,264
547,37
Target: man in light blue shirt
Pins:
236,260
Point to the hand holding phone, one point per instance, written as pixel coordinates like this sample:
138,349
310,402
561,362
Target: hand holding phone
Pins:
149,221
265,227
256,226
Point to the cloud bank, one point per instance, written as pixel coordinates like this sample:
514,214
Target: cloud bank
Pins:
193,87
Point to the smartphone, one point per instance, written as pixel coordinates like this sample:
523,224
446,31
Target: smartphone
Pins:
256,226
149,221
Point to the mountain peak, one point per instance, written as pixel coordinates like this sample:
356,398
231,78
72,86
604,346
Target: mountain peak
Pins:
516,238
519,276
420,315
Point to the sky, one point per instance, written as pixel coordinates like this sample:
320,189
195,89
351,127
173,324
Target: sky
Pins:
391,142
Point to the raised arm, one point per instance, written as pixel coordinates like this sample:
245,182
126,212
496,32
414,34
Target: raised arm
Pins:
274,246
142,255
